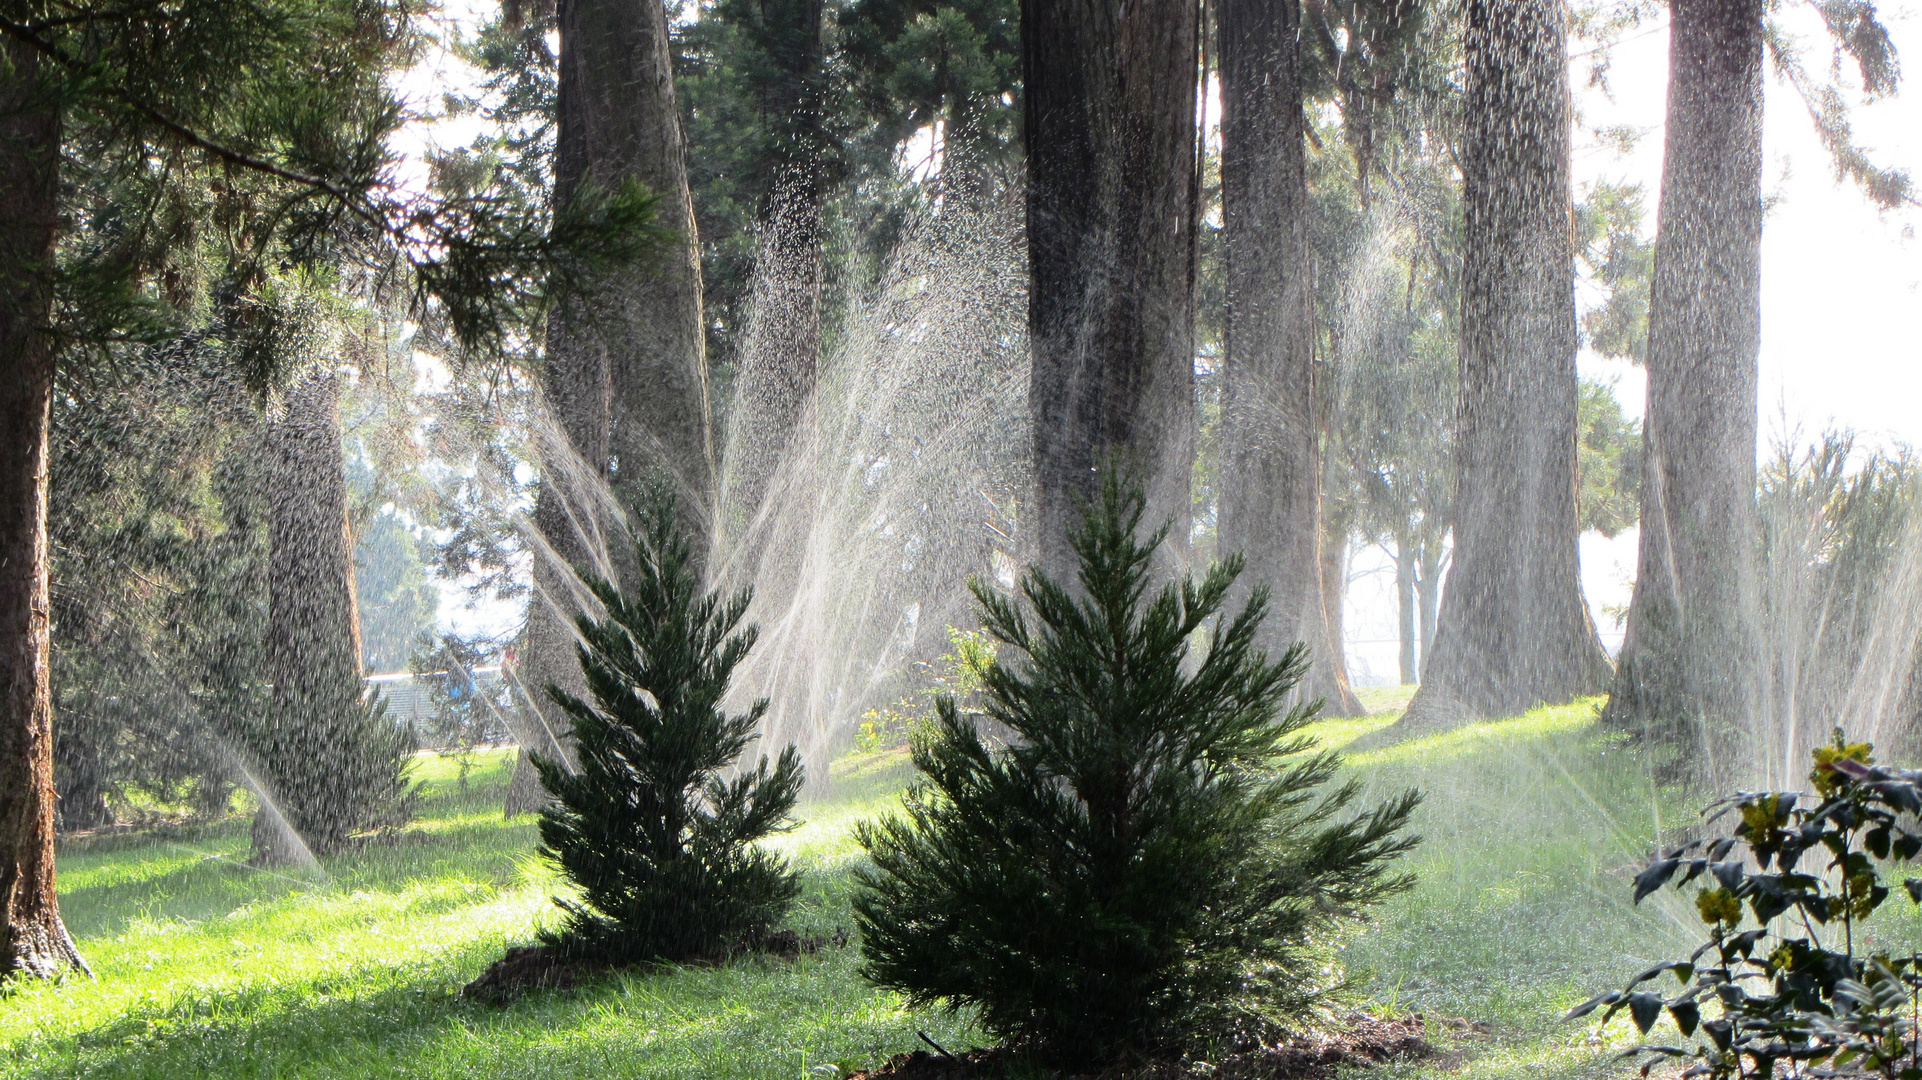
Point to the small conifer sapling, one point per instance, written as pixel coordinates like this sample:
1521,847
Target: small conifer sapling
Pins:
660,844
1146,865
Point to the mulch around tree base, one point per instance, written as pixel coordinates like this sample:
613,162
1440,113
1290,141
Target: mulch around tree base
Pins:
533,968
1362,1040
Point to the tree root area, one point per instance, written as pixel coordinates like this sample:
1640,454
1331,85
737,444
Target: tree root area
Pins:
536,968
1361,1041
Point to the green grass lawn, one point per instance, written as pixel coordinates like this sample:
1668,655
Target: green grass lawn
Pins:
206,967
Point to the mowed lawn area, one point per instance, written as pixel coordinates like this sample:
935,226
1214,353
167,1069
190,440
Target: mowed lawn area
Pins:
207,967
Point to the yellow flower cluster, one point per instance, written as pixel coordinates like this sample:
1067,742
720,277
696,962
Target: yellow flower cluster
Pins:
1719,906
1825,778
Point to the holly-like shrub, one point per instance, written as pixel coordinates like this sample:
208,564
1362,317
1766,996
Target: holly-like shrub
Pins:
1785,985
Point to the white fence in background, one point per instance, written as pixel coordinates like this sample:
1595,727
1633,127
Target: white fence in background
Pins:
408,695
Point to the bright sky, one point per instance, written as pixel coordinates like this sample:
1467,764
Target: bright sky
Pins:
1841,281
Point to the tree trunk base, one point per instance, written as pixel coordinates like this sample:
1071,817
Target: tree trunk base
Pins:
525,795
1337,696
42,949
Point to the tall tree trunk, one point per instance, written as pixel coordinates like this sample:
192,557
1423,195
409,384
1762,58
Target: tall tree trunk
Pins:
313,630
1513,631
620,122
627,361
1687,663
1109,111
1271,489
1428,585
1334,587
33,940
1406,601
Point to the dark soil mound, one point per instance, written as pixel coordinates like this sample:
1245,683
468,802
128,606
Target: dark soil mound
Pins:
530,968
1362,1040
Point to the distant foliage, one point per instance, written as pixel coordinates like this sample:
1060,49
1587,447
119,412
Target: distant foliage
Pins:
1842,625
1799,992
1608,461
398,606
465,713
1609,244
956,674
661,844
1141,867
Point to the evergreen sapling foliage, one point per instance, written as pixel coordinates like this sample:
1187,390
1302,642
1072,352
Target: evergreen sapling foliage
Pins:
1147,865
660,844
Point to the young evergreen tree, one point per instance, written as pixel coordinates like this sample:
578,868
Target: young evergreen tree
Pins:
1152,857
661,844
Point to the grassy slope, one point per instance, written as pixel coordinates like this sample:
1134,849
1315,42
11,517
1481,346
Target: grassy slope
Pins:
207,967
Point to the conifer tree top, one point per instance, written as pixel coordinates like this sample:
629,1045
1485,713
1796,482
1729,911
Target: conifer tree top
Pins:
1152,856
661,845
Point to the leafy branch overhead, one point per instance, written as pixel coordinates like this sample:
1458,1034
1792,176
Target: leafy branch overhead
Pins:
299,170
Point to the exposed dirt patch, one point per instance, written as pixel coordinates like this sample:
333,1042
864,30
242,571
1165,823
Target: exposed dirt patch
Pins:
1361,1040
534,968
529,968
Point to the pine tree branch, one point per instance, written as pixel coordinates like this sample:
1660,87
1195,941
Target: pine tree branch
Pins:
26,35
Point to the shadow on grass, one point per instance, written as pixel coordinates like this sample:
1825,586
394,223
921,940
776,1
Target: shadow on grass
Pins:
755,1018
214,882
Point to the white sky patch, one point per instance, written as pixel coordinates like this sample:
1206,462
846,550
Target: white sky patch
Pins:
1841,281
431,374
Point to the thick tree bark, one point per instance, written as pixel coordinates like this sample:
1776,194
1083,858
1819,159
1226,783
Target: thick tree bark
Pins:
1688,664
313,627
619,122
1109,111
1270,507
627,362
1513,631
33,940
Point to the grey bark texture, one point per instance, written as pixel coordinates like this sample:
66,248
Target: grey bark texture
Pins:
33,940
1270,505
1109,126
627,362
1407,593
1688,663
1513,631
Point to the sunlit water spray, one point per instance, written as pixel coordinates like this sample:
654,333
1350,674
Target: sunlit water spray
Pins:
898,486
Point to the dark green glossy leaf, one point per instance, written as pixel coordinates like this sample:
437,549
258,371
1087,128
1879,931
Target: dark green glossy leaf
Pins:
1877,841
1592,1004
1687,1016
1906,846
1654,877
1644,1009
